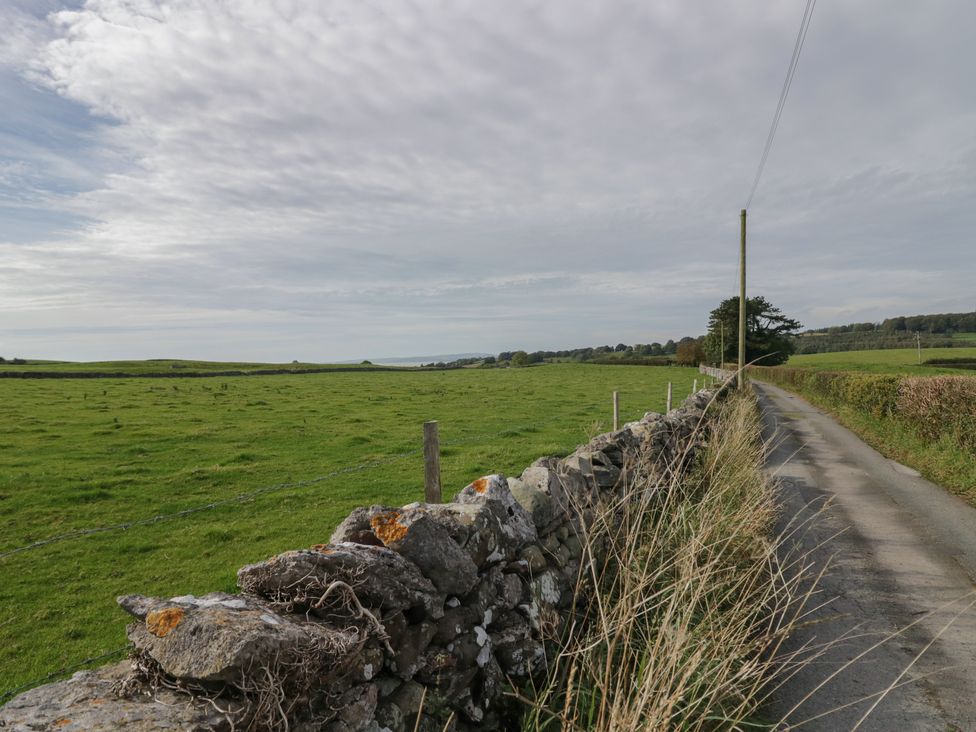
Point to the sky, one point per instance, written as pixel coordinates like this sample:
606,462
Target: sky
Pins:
282,179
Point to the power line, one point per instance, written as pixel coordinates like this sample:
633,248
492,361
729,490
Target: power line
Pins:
801,37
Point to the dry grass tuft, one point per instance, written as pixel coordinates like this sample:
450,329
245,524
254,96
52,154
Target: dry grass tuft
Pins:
694,600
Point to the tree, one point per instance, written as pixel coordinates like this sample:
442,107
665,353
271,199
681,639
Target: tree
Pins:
769,333
689,352
520,358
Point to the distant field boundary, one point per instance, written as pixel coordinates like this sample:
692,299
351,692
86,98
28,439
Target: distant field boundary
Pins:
181,374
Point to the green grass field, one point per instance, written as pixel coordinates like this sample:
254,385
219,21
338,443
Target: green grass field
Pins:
892,361
176,367
78,453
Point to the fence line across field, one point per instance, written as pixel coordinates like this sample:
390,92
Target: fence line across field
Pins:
243,497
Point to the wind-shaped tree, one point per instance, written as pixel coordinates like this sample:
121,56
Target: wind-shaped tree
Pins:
769,333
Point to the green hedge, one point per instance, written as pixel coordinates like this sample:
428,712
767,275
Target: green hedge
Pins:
934,406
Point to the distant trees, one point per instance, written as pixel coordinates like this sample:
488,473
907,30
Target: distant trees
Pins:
769,333
520,358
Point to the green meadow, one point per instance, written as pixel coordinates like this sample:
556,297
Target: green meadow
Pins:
82,453
177,367
890,361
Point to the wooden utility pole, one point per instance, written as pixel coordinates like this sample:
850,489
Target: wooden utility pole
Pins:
432,463
742,304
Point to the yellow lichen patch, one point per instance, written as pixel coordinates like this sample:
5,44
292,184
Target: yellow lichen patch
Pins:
60,722
161,622
480,485
321,548
387,527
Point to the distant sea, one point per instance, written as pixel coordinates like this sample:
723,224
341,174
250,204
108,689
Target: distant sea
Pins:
420,360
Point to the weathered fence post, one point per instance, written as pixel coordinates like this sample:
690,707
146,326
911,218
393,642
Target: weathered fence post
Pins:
669,398
616,411
432,463
694,388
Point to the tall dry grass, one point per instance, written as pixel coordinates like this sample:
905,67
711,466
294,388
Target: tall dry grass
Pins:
693,601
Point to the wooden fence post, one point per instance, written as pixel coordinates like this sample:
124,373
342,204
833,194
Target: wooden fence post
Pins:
695,387
616,411
669,398
432,463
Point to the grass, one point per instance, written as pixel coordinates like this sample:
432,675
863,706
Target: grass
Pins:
77,453
168,366
936,446
942,461
693,606
890,361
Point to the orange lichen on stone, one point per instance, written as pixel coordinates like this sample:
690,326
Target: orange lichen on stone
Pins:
161,622
321,548
480,485
387,527
60,722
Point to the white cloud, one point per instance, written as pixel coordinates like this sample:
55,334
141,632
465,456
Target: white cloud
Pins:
564,172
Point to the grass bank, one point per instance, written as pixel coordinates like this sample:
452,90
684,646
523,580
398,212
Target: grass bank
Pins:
693,603
80,453
926,422
888,361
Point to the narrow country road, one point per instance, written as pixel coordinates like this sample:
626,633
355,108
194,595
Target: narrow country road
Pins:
902,556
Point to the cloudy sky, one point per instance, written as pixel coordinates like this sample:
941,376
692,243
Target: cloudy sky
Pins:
279,179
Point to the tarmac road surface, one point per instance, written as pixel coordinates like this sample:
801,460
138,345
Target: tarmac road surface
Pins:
902,557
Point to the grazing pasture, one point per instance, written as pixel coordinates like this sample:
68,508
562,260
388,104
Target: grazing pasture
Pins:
82,453
889,361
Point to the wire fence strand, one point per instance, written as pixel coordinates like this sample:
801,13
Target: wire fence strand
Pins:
244,497
10,693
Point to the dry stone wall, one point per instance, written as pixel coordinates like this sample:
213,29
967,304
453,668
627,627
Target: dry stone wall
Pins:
410,617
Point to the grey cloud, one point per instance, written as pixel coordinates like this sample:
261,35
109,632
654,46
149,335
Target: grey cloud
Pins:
551,173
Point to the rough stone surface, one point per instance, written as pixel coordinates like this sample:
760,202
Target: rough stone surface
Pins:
87,703
219,637
415,535
381,578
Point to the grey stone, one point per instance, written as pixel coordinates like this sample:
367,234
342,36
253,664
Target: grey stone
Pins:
494,489
356,707
594,466
538,504
87,703
574,546
218,639
357,528
408,648
415,535
534,557
380,578
454,622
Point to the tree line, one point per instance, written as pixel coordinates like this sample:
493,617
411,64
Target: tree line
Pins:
771,337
